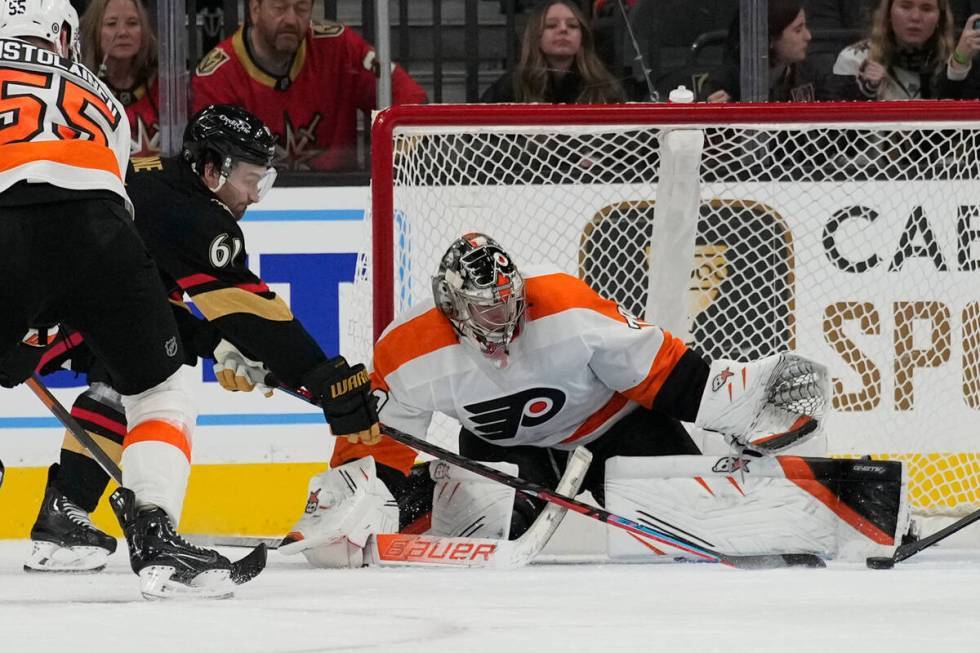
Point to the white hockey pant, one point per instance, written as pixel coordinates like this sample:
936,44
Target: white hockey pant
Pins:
156,457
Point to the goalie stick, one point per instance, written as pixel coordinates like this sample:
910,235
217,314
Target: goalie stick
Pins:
242,570
906,551
426,550
401,549
762,561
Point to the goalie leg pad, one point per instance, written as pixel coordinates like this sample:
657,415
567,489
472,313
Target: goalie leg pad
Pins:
465,504
846,509
345,506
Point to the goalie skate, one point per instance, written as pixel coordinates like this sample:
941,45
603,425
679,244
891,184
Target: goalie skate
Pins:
64,537
170,567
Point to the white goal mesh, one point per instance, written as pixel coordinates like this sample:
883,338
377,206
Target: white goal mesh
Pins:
847,233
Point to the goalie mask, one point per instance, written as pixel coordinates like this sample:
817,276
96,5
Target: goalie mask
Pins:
480,290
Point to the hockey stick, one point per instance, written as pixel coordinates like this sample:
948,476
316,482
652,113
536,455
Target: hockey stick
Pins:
908,550
427,550
51,403
763,561
242,570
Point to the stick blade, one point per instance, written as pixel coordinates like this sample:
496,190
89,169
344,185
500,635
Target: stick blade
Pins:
250,566
775,561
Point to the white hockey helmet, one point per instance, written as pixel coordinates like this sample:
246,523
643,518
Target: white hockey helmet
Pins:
480,290
44,19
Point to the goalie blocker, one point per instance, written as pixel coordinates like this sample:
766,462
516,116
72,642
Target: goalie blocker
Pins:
837,509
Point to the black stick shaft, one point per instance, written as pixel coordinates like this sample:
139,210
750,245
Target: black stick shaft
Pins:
909,550
51,402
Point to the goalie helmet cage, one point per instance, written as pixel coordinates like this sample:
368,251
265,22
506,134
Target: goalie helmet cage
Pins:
849,232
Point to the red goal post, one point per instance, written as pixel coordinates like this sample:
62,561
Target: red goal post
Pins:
847,231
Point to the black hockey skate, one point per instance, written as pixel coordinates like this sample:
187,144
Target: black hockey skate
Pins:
64,537
171,567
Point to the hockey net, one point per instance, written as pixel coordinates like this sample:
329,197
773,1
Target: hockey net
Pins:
849,233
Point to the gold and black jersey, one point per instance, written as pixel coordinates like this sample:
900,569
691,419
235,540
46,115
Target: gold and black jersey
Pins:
200,250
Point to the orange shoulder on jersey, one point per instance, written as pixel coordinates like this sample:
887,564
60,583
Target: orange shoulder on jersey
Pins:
663,364
553,293
549,294
415,338
406,342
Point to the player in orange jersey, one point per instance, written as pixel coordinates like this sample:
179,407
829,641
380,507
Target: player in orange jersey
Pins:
69,253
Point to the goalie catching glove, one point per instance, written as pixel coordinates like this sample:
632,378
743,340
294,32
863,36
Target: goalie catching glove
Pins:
344,393
768,405
238,373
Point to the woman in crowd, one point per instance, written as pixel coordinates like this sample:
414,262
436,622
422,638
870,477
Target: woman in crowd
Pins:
558,62
790,79
910,54
118,43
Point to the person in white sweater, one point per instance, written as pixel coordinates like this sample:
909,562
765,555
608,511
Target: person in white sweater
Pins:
910,54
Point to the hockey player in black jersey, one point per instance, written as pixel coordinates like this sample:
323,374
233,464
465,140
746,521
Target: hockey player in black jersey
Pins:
187,210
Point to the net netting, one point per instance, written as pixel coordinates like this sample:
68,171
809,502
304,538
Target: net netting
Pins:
854,243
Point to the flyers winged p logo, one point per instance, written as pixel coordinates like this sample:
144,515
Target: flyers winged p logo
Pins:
501,418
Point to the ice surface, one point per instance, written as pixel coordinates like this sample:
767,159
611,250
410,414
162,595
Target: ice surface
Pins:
928,604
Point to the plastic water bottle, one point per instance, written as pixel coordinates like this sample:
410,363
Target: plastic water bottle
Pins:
681,94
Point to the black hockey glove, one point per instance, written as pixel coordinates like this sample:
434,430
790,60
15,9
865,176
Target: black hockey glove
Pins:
74,355
19,363
345,395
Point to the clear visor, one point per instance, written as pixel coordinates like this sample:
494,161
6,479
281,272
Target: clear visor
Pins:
251,179
495,320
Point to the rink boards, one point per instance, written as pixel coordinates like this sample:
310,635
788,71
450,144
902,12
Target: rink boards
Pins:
252,456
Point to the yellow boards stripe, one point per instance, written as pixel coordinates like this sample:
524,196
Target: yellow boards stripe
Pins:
252,499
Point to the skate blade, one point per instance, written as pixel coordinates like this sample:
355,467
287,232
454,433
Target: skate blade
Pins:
156,584
48,557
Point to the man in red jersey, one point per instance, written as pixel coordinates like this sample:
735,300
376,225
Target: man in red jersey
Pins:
306,80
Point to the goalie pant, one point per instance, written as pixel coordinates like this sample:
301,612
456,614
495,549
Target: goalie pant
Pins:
630,436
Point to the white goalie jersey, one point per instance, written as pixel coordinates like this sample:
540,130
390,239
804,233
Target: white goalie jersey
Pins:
578,365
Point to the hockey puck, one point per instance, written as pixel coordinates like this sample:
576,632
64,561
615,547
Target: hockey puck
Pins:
880,563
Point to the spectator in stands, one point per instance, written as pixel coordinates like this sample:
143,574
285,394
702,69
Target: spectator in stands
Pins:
910,54
558,62
856,14
606,7
305,79
117,41
790,79
839,14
